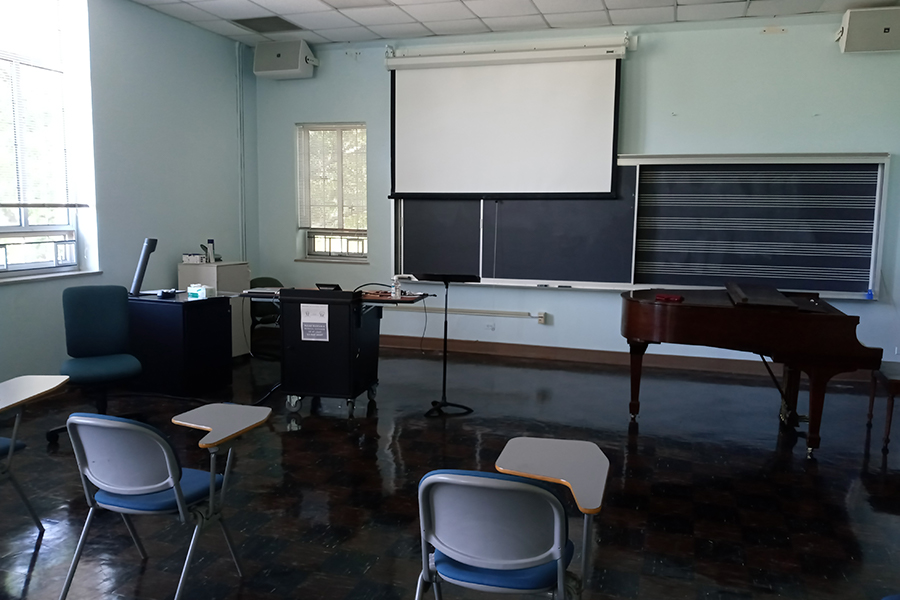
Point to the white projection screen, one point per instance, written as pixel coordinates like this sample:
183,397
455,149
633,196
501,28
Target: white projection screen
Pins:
509,129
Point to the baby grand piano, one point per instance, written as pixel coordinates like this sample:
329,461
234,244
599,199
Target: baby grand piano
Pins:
799,330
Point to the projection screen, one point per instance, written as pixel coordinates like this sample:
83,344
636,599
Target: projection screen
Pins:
533,129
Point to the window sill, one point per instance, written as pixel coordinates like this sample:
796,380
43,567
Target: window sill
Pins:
342,260
46,276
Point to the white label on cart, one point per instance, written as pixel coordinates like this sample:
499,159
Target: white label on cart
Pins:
314,322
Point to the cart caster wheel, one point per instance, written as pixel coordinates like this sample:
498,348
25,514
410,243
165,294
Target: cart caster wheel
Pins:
370,393
293,403
351,406
52,437
315,406
371,409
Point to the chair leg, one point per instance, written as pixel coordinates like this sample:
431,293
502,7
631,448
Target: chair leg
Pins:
25,501
134,536
187,562
887,423
422,586
231,549
77,557
436,582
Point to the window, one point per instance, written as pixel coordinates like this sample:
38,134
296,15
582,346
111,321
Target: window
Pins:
331,183
38,227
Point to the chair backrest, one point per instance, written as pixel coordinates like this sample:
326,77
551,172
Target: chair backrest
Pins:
122,456
264,309
491,520
96,320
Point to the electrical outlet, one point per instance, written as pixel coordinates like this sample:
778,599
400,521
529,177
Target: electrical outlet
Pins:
542,318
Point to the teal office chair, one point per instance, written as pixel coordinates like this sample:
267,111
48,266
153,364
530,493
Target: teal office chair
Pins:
130,468
492,532
96,321
7,449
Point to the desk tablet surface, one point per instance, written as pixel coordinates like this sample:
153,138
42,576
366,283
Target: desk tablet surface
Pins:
28,387
223,421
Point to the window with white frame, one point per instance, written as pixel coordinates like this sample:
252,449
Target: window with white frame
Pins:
38,228
331,184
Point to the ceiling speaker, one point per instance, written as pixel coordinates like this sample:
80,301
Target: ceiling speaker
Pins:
284,60
870,30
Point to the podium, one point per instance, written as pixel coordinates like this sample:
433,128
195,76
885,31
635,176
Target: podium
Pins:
438,408
332,353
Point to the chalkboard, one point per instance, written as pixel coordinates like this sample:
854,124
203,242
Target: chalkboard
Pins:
440,236
529,239
796,222
801,226
562,240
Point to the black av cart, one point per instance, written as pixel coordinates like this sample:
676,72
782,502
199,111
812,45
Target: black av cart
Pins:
329,346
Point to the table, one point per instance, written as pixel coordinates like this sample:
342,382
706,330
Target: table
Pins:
13,394
579,465
184,344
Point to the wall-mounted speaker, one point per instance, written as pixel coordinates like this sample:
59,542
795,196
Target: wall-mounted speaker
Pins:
284,60
870,30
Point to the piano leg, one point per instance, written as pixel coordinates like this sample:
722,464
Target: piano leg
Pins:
636,350
791,390
817,384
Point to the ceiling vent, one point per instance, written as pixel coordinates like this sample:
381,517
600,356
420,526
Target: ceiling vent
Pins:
266,24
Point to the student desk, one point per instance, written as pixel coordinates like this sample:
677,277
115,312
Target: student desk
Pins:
579,465
13,394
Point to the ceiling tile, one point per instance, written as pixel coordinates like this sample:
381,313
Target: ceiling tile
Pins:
233,9
843,5
321,20
405,3
681,2
502,8
251,39
222,27
634,4
348,34
461,27
569,6
597,18
710,12
519,23
402,30
292,36
640,16
185,12
439,11
776,8
287,7
157,1
356,3
377,15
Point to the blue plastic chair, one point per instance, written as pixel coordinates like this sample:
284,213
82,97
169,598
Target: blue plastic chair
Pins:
492,532
97,340
130,468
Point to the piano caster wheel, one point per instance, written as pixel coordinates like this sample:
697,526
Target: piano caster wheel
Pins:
809,454
292,404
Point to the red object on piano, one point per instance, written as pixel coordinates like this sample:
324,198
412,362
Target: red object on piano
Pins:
669,298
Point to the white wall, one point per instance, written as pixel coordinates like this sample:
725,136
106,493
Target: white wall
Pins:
701,88
166,158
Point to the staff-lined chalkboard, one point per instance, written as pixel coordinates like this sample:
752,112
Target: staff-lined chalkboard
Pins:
795,222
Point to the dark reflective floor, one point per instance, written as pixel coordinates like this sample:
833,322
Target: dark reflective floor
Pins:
705,501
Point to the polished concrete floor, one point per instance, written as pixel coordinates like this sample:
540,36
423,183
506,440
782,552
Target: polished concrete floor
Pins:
706,499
